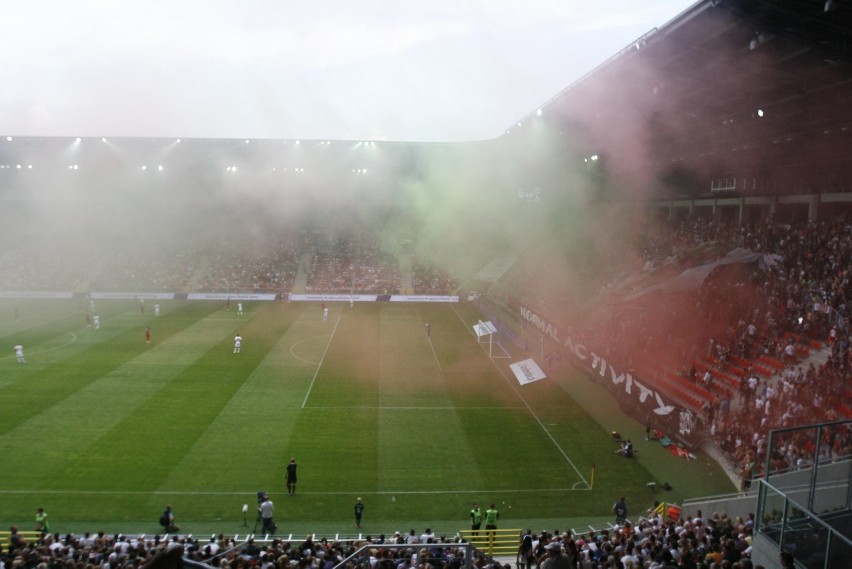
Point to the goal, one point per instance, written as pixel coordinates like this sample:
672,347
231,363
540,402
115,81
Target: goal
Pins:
485,335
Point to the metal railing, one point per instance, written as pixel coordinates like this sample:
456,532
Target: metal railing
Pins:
424,552
813,543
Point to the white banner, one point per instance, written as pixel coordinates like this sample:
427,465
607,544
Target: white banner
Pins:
332,297
229,296
425,298
36,294
527,371
131,295
598,367
369,298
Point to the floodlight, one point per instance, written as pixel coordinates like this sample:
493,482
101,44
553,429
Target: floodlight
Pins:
9,138
160,167
79,139
538,112
178,141
594,156
760,112
18,166
103,139
247,141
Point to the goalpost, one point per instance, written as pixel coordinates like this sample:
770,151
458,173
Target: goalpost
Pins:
485,332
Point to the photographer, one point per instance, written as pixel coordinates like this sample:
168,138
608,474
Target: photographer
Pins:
266,511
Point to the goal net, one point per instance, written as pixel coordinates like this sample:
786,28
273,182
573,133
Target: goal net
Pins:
488,335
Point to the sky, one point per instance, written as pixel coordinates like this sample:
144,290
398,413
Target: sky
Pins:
398,70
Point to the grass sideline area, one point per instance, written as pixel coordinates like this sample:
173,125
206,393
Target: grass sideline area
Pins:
103,429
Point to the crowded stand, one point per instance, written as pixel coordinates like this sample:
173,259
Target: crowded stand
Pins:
429,279
275,270
650,542
164,270
734,346
345,265
45,269
238,263
242,263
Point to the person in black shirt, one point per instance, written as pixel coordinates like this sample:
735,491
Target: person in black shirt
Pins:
620,510
291,477
359,511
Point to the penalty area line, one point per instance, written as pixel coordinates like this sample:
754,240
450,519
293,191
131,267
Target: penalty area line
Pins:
44,351
520,396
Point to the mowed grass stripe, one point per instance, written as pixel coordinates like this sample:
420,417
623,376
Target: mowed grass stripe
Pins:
348,373
407,371
62,449
32,315
336,442
415,440
526,430
426,450
93,355
257,424
178,408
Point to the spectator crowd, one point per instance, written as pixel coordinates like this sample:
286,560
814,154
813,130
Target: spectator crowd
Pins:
693,542
734,347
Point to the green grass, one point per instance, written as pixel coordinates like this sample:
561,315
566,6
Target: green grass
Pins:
102,429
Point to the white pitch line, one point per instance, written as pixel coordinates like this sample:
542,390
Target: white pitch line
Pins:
521,397
31,352
434,353
35,325
319,365
292,353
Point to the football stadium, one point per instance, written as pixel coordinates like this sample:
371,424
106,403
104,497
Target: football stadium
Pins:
613,335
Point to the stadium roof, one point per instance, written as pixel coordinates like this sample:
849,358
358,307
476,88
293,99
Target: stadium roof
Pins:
728,85
755,90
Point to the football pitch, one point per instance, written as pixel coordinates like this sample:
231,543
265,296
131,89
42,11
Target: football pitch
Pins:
103,429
